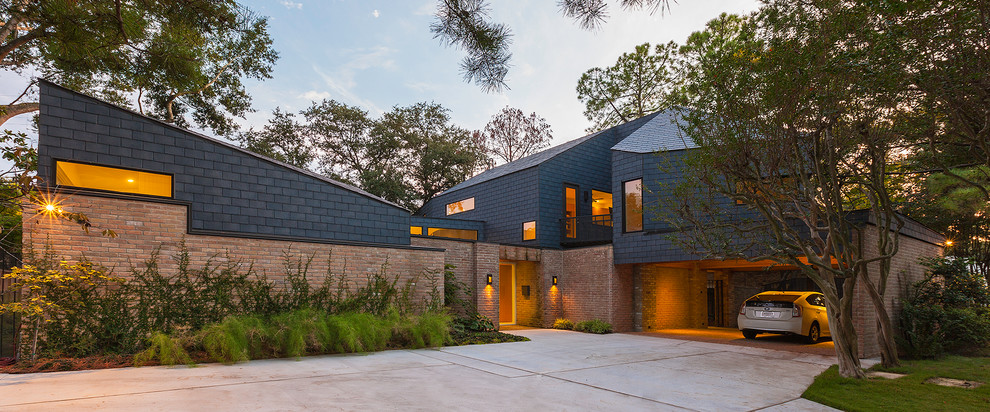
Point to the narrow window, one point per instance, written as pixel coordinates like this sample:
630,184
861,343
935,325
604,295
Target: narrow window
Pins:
461,206
415,230
633,207
453,233
570,211
112,179
529,230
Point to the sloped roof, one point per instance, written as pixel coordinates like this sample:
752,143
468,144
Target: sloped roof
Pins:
234,147
522,164
660,133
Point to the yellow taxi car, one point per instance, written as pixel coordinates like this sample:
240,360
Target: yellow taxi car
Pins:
798,313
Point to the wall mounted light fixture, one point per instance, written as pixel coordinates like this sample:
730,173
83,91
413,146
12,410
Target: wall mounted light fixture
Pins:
489,280
554,280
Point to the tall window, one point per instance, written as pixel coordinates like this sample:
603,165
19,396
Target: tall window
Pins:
112,179
461,206
529,230
632,192
570,211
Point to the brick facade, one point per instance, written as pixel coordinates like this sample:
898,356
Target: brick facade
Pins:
144,226
472,262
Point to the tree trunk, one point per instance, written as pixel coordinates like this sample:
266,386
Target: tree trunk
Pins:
10,110
840,323
885,331
34,340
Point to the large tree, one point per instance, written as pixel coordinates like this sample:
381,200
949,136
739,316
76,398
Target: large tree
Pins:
407,156
511,135
795,120
182,61
638,84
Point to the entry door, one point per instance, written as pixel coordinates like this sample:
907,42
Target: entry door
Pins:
506,294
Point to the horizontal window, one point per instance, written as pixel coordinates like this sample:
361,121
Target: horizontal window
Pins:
462,206
415,230
529,230
453,233
112,179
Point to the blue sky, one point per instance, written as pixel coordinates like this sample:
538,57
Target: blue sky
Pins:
379,54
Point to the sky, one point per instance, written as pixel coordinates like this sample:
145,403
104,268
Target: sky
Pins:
379,54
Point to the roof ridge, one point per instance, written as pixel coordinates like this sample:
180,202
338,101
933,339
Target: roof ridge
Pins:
294,168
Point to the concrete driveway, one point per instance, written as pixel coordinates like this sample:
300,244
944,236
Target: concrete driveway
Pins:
557,370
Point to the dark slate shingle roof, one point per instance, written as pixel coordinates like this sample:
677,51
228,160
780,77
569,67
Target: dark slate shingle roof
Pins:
660,133
522,164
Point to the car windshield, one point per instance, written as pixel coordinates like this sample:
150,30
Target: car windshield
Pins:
778,300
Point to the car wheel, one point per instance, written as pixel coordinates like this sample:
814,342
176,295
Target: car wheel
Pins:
749,334
814,333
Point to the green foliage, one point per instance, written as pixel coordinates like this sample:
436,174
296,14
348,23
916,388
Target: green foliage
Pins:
640,83
593,326
511,135
908,393
164,349
563,324
456,293
429,329
81,309
473,323
949,312
184,60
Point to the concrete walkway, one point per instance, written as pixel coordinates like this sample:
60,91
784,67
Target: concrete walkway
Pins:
557,370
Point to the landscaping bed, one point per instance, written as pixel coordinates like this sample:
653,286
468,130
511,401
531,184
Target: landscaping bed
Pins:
917,391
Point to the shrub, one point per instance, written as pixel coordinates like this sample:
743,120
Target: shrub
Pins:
473,323
949,312
166,350
563,324
593,326
429,329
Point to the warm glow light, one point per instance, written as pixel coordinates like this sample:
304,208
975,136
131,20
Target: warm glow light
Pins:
948,242
50,207
130,180
489,280
555,281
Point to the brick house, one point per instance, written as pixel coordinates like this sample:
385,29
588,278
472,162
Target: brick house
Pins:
560,233
575,240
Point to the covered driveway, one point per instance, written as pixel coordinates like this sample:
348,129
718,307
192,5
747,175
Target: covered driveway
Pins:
557,370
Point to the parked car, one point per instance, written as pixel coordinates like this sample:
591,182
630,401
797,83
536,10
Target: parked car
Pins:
798,313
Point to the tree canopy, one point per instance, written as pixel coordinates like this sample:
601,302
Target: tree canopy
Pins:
182,61
511,135
640,83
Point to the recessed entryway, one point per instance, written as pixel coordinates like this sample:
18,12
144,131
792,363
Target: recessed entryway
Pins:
506,294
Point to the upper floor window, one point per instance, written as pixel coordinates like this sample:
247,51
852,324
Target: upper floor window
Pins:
112,179
529,230
601,203
461,206
453,233
632,194
415,230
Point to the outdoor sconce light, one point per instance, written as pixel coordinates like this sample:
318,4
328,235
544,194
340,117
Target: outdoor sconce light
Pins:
554,281
489,280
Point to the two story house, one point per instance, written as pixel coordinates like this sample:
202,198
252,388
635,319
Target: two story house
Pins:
579,237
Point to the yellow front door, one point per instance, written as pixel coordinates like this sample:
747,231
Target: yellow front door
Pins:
506,293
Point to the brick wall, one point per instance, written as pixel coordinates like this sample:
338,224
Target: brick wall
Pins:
473,261
905,271
143,226
672,297
592,288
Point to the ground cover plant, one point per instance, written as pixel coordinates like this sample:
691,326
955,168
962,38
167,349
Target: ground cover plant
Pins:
469,327
593,326
908,393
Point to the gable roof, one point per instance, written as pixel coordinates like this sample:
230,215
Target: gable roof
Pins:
296,169
660,133
521,164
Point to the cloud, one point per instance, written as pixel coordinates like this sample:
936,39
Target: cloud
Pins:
340,81
375,13
289,4
314,95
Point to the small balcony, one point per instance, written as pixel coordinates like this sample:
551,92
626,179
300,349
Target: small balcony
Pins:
585,230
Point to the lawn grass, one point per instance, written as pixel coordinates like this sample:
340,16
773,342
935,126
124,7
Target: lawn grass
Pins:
908,393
